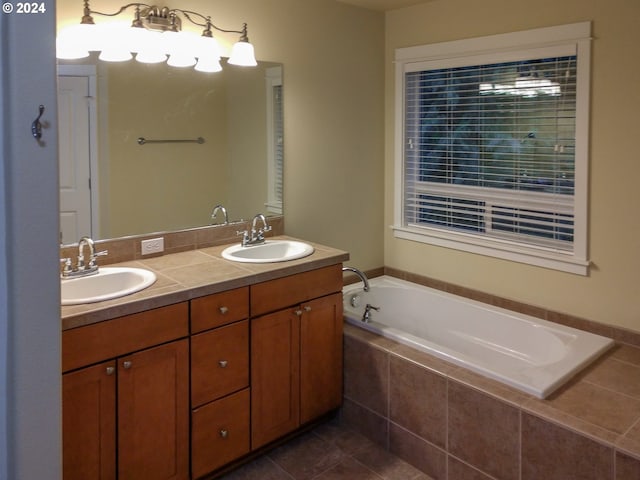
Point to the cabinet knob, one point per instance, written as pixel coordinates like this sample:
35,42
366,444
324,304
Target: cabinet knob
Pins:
223,310
110,370
126,364
306,308
224,433
223,363
298,312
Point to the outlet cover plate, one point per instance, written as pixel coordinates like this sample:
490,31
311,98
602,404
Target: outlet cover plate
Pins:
152,245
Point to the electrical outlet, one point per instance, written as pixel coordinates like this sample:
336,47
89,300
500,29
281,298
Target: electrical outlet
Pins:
152,245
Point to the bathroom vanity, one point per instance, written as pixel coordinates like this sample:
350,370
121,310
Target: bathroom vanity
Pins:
179,380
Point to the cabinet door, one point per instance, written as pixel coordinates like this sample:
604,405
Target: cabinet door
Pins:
275,376
153,413
89,423
320,357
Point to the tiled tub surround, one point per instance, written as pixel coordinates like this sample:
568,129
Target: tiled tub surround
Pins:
454,424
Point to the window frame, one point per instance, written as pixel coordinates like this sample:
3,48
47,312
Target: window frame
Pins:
542,42
275,142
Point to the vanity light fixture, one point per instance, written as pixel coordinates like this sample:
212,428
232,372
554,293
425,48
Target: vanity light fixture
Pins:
155,35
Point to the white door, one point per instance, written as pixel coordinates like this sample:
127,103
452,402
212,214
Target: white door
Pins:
75,158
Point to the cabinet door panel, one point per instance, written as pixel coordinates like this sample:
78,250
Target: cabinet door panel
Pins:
275,376
89,423
219,362
220,433
320,357
153,413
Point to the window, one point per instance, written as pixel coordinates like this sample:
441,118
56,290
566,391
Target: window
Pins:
275,140
492,137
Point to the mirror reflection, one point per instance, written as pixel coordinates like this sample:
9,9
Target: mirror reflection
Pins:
209,139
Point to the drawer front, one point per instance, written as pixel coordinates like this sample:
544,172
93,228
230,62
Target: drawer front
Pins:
219,362
101,341
220,433
219,309
301,287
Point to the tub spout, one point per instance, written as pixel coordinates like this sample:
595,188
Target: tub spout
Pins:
360,274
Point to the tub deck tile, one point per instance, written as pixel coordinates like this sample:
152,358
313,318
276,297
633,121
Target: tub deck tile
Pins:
630,441
422,359
489,386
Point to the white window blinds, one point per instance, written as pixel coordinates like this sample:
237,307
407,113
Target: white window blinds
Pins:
275,139
492,145
490,149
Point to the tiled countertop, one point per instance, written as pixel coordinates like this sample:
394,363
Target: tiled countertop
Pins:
191,274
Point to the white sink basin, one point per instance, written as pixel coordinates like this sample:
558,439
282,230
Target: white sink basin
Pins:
270,251
108,283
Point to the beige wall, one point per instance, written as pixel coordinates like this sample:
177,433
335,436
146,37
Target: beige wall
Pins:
333,107
611,293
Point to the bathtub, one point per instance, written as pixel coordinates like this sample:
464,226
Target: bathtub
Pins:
530,354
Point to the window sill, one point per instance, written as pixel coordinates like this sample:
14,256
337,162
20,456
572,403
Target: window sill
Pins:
564,262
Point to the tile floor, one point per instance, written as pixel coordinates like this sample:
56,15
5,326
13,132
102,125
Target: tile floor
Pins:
329,452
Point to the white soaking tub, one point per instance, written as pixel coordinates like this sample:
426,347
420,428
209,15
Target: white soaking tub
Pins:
528,353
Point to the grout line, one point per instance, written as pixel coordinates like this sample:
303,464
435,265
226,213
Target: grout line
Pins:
279,467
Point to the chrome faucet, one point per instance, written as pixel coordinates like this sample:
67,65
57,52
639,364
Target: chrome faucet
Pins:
366,316
360,274
219,208
82,268
92,251
255,236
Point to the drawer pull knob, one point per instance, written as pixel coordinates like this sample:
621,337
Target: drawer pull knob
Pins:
110,370
307,308
223,363
224,433
298,313
223,310
126,364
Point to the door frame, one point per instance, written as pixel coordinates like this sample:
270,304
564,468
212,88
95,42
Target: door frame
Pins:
90,71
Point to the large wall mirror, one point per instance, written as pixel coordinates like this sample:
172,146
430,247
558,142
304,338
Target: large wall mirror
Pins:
209,139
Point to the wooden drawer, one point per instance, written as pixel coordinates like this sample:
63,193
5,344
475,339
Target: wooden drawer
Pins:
219,362
219,309
301,287
102,341
220,433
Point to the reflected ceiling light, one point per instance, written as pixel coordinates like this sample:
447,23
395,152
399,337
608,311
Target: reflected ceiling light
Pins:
154,35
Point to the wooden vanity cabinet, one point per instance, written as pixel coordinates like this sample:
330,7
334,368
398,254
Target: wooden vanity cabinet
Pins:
180,391
296,351
220,422
135,403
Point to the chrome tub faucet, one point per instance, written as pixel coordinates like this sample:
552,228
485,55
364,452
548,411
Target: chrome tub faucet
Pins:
360,274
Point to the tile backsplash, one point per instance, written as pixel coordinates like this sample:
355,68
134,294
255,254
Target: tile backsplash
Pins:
126,249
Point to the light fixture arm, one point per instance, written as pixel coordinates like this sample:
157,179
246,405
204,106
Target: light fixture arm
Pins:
171,14
88,12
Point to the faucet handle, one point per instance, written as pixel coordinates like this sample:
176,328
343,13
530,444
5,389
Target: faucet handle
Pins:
92,260
245,236
67,266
